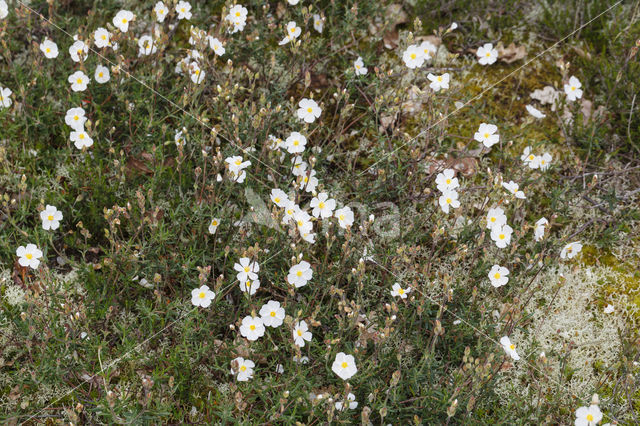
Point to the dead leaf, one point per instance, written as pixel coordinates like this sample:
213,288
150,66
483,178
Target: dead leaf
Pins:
394,16
548,95
436,41
136,167
415,99
467,166
511,53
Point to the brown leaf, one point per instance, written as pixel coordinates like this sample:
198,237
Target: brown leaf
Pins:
136,167
511,53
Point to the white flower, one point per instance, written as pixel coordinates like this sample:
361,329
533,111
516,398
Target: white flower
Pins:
300,274
439,81
237,16
244,369
509,348
250,286
293,2
496,217
428,51
487,134
183,9
310,181
573,89
513,188
318,23
81,139
161,11
609,309
588,416
501,235
213,225
29,256
75,118
322,205
295,143
487,55
196,73
202,296
216,45
301,360
535,112
299,166
344,366
279,197
571,250
101,37
236,163
79,81
413,56
252,328
146,46
293,32
247,270
5,97
398,291
309,110
449,199
4,9
301,333
303,221
122,19
78,51
180,139
272,314
51,218
498,276
102,74
540,227
529,158
49,48
351,403
544,161
344,216
359,66
446,181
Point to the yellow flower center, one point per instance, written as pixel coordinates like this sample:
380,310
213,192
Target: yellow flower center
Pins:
124,21
493,219
79,81
277,199
182,10
531,157
401,291
321,205
299,332
300,223
293,30
589,417
413,56
299,273
50,217
246,269
357,66
273,313
439,78
81,136
243,368
100,74
497,275
289,212
76,118
488,54
238,162
486,135
296,143
426,51
501,236
48,50
344,365
305,180
202,295
448,200
29,256
309,110
512,347
341,217
448,181
573,87
237,13
104,37
252,327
